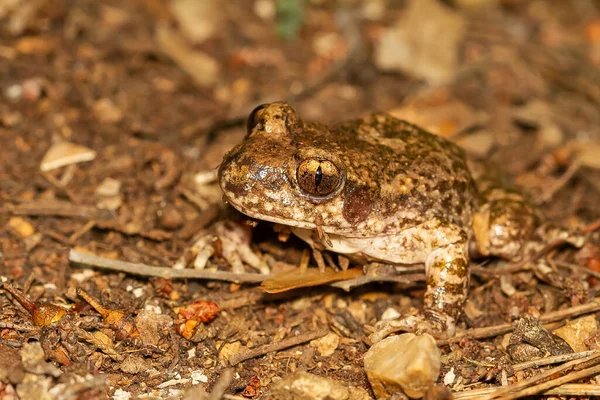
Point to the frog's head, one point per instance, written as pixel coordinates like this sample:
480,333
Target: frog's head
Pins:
292,173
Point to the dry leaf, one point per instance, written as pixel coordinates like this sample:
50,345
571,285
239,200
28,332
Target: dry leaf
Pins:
589,154
442,116
294,279
423,43
65,153
203,68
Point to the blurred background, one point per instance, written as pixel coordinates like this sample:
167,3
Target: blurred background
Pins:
154,85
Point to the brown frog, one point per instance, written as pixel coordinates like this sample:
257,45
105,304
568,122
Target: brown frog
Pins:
377,188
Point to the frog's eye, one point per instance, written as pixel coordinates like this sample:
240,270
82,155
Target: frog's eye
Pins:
254,117
318,177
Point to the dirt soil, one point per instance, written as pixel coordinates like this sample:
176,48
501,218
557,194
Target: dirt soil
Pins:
114,116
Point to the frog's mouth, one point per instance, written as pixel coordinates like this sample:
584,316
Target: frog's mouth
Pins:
252,213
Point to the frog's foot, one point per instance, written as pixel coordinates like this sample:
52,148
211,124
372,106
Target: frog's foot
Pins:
549,233
437,325
447,276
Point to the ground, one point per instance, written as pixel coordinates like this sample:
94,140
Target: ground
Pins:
150,95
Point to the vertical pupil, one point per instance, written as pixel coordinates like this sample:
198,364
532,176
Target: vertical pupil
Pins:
318,177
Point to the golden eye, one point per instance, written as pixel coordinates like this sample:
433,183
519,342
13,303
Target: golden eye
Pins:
254,117
318,177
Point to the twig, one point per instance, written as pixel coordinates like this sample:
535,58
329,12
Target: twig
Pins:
192,197
551,360
569,389
592,227
282,344
542,387
479,333
222,384
60,187
578,268
82,231
160,272
514,391
16,327
560,183
54,208
365,279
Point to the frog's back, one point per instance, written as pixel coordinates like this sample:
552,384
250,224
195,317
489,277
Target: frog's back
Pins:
418,176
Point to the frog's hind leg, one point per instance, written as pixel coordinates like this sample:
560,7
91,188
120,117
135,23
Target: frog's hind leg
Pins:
504,225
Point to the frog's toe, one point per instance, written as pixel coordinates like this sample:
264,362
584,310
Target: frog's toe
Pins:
437,326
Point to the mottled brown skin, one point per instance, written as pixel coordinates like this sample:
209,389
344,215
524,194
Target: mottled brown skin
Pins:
396,174
377,188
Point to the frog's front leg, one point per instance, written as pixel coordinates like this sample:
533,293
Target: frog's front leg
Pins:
447,278
447,275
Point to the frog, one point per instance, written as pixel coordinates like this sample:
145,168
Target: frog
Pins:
378,189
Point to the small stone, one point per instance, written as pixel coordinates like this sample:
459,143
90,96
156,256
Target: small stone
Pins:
108,187
327,344
409,363
228,350
108,191
11,365
21,226
265,9
477,144
34,361
390,313
170,217
107,112
65,153
14,92
198,20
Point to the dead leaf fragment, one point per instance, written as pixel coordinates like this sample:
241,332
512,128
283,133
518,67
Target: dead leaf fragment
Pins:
294,279
423,43
200,310
199,20
65,153
589,155
135,364
440,115
203,68
35,45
